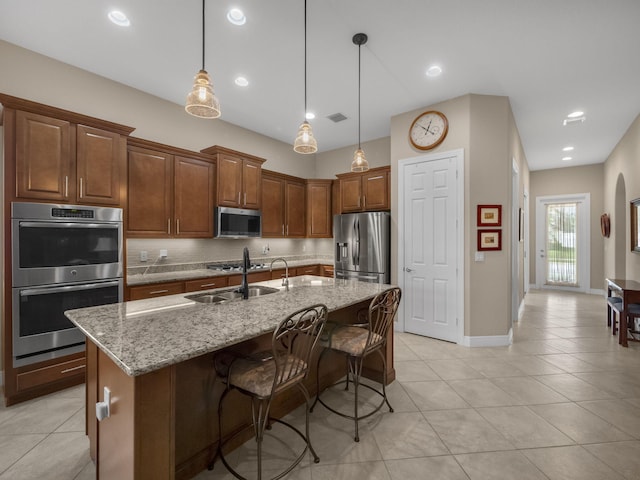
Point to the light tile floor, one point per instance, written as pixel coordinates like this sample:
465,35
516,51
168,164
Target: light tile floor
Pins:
562,402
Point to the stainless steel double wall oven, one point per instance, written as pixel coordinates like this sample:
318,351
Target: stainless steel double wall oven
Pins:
63,257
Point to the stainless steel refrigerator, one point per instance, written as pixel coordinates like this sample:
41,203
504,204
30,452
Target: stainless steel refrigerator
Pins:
362,246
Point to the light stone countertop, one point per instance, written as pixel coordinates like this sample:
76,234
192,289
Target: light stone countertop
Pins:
146,335
191,274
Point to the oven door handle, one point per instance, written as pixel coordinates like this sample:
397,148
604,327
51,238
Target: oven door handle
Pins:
68,225
67,288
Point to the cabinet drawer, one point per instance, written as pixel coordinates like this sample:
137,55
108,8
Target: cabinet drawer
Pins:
310,270
205,284
280,273
252,278
328,270
157,290
50,374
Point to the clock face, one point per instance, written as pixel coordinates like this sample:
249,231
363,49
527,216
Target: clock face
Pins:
428,130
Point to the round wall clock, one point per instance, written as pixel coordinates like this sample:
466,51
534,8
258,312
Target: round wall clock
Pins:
428,130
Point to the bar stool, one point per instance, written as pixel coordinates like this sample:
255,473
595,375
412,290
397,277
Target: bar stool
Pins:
265,375
356,342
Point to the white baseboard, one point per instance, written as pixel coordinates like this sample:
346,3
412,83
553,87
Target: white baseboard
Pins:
521,309
596,291
489,340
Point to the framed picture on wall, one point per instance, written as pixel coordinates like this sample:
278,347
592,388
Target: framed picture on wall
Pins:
489,240
489,215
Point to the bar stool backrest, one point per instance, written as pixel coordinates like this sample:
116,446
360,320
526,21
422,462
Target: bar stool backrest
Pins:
382,311
293,343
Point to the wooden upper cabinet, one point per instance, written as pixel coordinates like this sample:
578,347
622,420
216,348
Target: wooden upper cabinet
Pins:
193,197
295,209
368,191
239,178
43,157
63,156
171,192
319,214
273,219
149,193
100,166
283,205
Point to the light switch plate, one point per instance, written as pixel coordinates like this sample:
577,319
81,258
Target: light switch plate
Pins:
479,256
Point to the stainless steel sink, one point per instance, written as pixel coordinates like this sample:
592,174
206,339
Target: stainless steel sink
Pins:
230,295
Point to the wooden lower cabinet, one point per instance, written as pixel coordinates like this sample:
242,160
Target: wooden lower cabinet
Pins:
327,271
308,270
163,424
252,278
51,373
205,284
155,290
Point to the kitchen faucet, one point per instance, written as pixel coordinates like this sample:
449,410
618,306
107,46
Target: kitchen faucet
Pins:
246,265
285,280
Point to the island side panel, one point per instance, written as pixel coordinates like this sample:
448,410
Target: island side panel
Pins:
91,396
137,440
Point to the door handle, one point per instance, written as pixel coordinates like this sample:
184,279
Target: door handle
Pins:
408,270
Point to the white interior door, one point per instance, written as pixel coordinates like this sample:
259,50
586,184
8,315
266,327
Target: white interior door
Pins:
429,239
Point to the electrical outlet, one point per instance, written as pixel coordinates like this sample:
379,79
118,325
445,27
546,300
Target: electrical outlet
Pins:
144,256
164,253
265,249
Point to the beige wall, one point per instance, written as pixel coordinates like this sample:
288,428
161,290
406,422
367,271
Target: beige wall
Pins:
565,181
484,127
339,160
621,185
35,77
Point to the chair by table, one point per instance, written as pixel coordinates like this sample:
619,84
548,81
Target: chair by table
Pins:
629,292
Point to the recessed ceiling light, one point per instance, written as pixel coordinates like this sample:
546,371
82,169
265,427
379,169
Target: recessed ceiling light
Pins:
567,149
309,115
575,114
119,18
567,158
241,81
236,16
434,71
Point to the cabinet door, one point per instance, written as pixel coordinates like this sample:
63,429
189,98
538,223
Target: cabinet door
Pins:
251,185
205,284
99,166
375,191
308,270
272,206
193,198
295,209
44,164
149,196
229,180
351,194
319,216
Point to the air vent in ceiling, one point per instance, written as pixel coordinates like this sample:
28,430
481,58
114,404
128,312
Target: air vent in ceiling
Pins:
337,117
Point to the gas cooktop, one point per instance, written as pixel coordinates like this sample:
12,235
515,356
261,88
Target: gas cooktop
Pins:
235,267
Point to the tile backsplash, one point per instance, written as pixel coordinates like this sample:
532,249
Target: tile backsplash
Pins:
195,250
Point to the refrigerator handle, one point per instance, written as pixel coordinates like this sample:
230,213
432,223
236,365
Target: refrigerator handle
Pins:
356,242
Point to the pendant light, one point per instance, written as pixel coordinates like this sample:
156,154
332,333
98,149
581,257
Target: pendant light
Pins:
305,141
201,101
359,163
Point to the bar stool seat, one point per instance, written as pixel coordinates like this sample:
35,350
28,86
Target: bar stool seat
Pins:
356,342
264,375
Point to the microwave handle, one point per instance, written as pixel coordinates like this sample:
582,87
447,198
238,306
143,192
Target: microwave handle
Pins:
68,288
63,225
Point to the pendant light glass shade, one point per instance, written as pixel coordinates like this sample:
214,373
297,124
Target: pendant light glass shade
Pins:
359,163
305,141
201,101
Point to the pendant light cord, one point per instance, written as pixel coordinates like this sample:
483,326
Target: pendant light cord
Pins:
359,67
305,60
202,34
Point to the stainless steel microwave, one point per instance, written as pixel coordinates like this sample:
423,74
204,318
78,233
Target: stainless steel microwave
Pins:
237,223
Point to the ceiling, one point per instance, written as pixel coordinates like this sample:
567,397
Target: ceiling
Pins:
549,57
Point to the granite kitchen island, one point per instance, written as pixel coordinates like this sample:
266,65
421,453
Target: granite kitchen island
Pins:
156,358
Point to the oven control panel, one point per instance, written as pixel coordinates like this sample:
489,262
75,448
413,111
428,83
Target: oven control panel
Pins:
71,213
